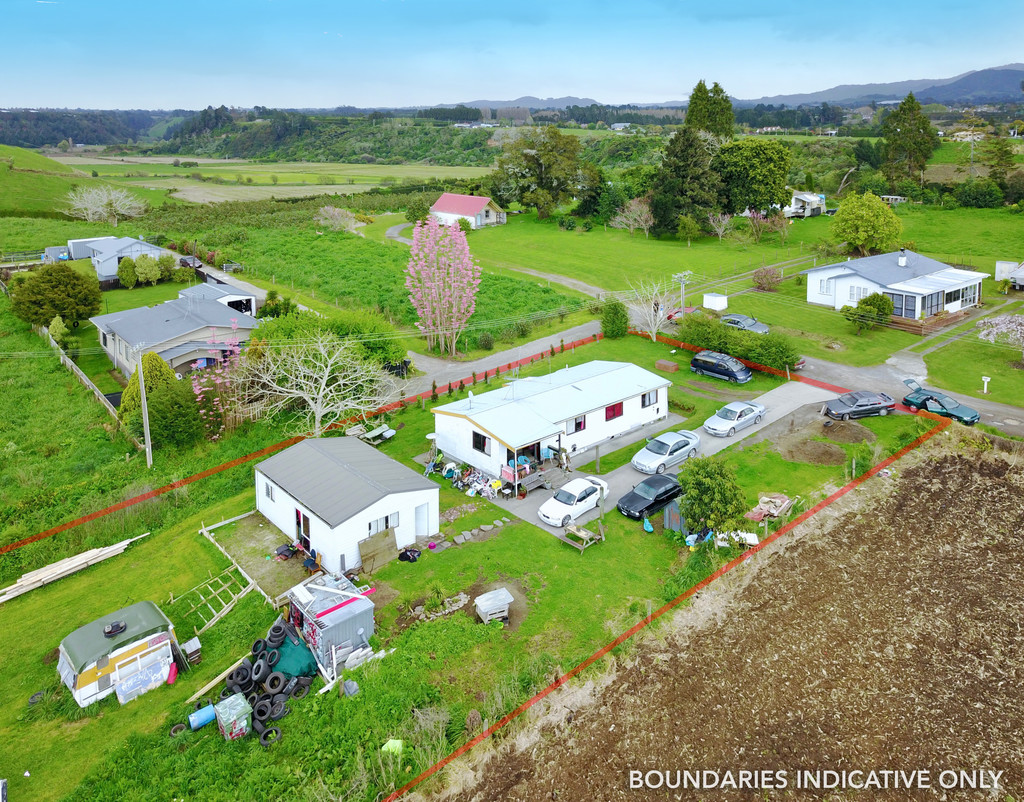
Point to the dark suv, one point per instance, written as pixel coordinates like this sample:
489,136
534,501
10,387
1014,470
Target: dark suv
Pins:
190,261
723,366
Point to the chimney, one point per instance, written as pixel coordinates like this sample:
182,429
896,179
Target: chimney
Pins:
902,260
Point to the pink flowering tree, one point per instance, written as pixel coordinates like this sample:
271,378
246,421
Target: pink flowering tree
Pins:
214,387
1007,329
442,280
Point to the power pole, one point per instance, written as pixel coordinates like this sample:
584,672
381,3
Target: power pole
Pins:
145,415
682,278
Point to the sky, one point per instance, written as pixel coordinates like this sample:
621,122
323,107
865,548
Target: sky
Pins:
125,54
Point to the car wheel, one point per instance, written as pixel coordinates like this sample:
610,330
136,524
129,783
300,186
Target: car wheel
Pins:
566,520
661,468
732,431
883,412
692,454
912,408
757,420
846,416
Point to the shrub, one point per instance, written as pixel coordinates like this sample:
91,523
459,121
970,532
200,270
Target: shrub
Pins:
979,193
615,320
464,225
485,340
126,273
523,327
767,279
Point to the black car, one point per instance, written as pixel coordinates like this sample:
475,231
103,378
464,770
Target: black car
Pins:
859,404
190,261
649,496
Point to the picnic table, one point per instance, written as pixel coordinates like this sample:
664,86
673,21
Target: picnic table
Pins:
578,537
377,436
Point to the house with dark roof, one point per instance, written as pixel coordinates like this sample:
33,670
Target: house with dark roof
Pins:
188,333
478,210
107,253
344,500
918,286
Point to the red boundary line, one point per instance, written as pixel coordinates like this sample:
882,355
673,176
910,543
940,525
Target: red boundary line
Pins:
92,516
942,423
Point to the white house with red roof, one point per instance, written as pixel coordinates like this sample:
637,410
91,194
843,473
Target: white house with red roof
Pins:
478,210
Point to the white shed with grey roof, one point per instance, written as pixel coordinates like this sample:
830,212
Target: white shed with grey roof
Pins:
337,496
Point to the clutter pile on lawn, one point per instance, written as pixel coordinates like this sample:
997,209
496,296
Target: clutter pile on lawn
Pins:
256,693
770,505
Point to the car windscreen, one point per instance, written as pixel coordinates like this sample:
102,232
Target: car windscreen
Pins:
644,491
734,365
727,414
657,447
565,497
849,400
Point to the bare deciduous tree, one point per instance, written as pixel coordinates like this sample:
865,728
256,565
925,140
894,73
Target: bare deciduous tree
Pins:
635,214
779,223
720,223
104,203
758,225
323,379
335,219
650,305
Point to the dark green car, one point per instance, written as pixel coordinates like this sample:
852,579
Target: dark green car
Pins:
941,404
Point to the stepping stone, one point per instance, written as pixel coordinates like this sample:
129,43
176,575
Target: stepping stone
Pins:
466,534
486,527
505,518
443,546
499,523
459,539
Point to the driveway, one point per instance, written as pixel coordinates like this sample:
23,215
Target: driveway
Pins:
780,402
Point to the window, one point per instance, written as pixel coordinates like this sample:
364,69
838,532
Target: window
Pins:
970,295
932,304
613,412
897,299
268,491
481,443
576,425
103,336
952,295
387,522
856,293
825,286
649,399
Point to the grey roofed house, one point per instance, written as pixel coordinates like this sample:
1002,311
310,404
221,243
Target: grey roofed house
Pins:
179,331
108,253
338,477
87,644
228,295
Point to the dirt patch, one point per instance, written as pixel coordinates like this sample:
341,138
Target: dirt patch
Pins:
881,634
516,610
806,444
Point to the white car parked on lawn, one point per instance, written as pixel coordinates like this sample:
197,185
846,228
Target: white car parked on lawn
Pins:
571,500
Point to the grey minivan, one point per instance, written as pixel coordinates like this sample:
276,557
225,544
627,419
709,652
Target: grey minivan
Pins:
721,366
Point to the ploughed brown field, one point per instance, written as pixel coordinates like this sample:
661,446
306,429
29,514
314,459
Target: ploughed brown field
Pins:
884,634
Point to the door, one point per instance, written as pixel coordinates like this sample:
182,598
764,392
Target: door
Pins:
302,529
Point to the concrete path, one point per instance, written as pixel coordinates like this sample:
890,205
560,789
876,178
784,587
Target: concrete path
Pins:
395,233
780,402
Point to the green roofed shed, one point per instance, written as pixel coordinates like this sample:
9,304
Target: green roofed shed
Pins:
87,644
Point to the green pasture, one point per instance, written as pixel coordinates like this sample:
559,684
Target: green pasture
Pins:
612,259
24,159
969,237
959,365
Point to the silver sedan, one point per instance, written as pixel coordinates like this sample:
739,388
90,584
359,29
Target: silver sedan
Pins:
733,417
666,450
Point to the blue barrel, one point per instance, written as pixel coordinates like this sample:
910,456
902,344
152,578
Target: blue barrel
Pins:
201,717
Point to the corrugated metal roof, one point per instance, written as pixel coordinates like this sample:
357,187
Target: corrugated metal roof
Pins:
87,644
469,205
337,477
211,292
156,324
529,409
948,279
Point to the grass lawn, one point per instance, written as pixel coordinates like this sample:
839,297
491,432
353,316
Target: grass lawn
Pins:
1013,307
821,332
959,366
974,237
53,741
611,259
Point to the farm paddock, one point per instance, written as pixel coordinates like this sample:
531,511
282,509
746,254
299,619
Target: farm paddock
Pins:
883,633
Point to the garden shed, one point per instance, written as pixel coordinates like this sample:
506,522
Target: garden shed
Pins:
127,652
478,210
334,617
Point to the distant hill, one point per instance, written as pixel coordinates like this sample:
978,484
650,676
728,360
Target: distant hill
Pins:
992,85
528,102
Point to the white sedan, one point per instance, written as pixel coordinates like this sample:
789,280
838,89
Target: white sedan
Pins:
733,417
571,500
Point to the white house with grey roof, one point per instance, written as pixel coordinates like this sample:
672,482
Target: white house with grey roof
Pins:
192,330
918,286
329,495
574,408
107,253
